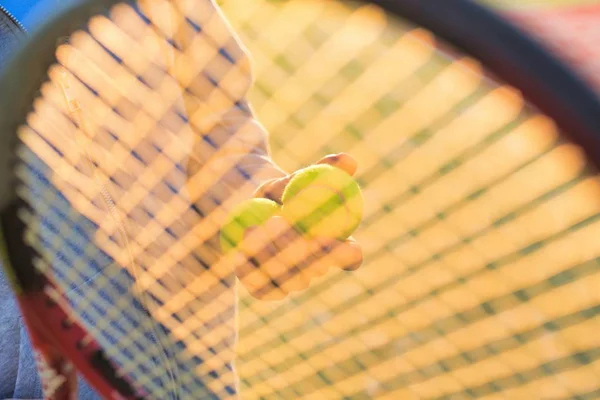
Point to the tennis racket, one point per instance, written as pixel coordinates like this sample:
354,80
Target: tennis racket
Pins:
130,129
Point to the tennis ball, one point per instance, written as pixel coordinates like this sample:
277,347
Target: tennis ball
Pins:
247,214
323,201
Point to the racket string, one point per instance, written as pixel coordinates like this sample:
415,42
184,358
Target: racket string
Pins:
75,113
327,284
451,254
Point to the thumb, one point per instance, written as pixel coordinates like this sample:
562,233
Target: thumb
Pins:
273,189
342,161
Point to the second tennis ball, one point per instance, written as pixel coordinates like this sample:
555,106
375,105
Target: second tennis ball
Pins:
247,214
323,201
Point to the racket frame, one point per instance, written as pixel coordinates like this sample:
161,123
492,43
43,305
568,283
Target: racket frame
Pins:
543,79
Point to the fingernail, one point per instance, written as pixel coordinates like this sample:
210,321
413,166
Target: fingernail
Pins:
356,255
342,161
353,267
331,159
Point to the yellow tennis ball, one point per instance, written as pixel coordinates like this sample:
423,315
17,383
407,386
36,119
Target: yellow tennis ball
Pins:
247,214
323,201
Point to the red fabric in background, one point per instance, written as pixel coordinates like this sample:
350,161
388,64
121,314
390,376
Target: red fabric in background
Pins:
572,32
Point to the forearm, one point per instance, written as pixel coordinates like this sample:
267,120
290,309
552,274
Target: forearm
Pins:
233,160
231,157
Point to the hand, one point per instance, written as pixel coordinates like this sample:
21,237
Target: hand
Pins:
273,189
277,260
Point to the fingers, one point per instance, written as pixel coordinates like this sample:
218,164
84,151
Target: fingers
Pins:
353,256
278,261
272,252
346,255
342,161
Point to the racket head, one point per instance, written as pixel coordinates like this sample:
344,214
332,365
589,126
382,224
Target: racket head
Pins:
575,117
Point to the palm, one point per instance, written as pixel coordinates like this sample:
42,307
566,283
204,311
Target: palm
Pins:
277,260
